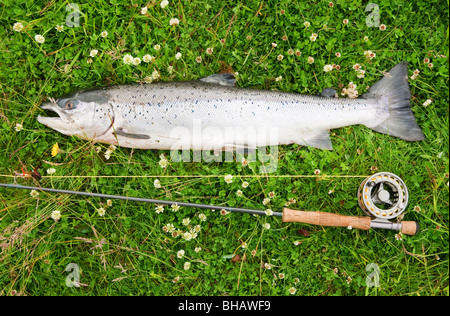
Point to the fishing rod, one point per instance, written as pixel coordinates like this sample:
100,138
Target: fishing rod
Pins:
382,196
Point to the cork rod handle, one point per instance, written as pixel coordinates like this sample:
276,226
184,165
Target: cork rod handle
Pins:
326,219
410,228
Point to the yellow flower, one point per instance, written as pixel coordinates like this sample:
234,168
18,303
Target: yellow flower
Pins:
55,149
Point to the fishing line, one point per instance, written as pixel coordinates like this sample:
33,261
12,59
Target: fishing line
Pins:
201,176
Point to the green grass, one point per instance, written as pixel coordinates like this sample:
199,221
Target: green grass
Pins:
126,252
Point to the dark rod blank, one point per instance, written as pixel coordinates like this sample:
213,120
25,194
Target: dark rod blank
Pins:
136,199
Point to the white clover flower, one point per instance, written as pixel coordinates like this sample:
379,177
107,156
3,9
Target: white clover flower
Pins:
177,55
159,208
17,27
170,228
202,217
174,21
266,225
427,103
157,47
148,58
186,221
228,178
39,38
107,154
180,254
307,24
239,193
144,10
327,68
209,50
244,184
163,163
136,61
187,265
164,3
128,59
18,127
269,212
175,207
101,211
155,76
56,215
59,28
361,73
51,171
104,34
34,193
93,53
187,236
310,59
157,183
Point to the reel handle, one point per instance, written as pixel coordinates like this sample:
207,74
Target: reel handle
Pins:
326,219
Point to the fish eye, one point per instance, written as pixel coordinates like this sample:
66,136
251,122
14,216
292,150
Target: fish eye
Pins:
70,104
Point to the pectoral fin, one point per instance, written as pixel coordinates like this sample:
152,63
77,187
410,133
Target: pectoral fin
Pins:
121,132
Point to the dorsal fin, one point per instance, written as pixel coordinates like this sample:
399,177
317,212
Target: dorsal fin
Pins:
225,79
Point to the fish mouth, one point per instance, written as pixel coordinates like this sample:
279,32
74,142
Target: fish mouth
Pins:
53,107
60,121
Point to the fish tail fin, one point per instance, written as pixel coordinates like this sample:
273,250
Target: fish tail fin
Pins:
393,91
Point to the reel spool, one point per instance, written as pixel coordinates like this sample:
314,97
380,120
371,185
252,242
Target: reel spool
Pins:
383,196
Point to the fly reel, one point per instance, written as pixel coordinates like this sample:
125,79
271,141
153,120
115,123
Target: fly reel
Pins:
383,196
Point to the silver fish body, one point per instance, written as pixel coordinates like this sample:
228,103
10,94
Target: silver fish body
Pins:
213,114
